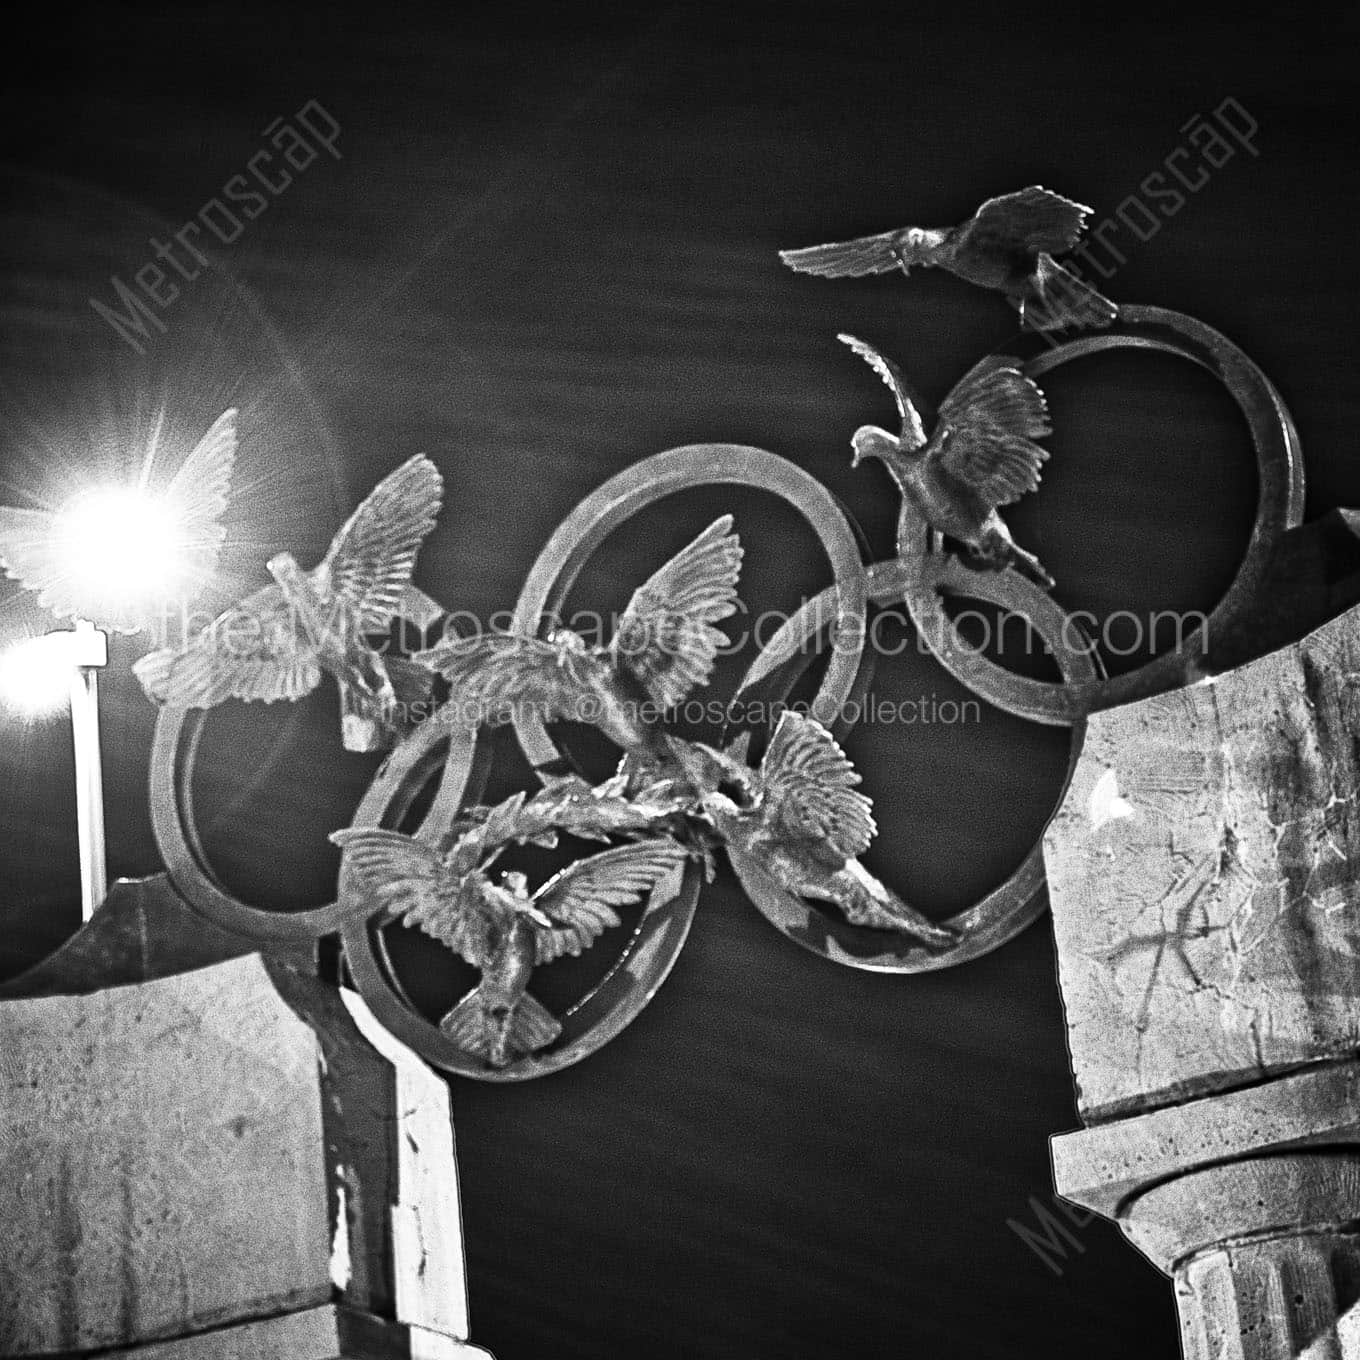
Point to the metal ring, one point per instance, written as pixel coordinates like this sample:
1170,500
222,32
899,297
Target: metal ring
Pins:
174,752
658,937
609,1007
1279,507
1007,909
582,532
650,953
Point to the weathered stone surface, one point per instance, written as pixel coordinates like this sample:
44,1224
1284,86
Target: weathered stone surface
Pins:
1286,1195
1274,1299
188,1156
1202,876
329,1333
160,1161
1102,1167
425,1217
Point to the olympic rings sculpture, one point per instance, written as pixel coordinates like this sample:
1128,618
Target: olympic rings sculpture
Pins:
452,757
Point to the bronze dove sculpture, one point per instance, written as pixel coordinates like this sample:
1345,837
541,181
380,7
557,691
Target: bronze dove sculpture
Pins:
981,455
801,818
1007,245
160,552
664,646
497,925
277,643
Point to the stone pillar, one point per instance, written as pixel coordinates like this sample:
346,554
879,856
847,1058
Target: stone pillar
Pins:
219,1163
1202,876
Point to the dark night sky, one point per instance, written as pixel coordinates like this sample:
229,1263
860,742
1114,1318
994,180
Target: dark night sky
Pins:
547,249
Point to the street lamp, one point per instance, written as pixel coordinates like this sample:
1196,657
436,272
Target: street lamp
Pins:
39,677
110,557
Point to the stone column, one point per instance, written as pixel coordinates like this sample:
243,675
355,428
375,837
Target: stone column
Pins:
1202,875
229,1162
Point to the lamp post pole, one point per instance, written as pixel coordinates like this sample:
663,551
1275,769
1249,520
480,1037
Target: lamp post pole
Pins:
90,653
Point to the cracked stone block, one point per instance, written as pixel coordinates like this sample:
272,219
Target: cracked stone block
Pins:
1202,873
210,1150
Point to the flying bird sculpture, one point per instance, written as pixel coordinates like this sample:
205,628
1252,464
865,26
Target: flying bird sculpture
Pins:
1008,245
118,556
981,454
278,642
495,923
802,819
665,645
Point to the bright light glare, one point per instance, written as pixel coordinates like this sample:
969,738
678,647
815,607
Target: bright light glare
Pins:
35,675
121,546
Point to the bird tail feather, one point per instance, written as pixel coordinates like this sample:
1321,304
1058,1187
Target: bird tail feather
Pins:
871,903
369,722
466,1025
1060,300
532,1027
1028,565
153,670
996,550
362,726
412,683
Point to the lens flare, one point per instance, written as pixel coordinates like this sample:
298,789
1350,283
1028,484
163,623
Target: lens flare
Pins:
121,549
36,674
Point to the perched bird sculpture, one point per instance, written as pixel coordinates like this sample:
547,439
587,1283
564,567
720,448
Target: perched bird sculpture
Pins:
801,818
1007,245
497,925
118,556
664,646
277,643
981,455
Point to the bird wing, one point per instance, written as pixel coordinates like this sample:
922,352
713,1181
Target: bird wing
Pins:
254,650
996,391
370,560
853,259
666,636
412,882
913,429
29,553
497,672
581,899
199,491
987,428
1026,221
809,790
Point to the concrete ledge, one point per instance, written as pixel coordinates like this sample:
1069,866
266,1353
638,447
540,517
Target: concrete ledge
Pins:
332,1332
1102,1167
